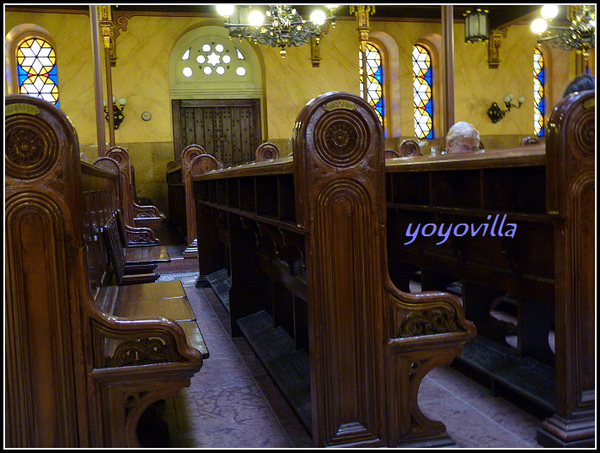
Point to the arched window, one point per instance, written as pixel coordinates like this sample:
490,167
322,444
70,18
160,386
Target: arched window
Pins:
36,69
423,92
375,80
539,95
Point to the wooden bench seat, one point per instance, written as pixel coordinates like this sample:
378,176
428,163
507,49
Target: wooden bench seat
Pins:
140,296
149,300
132,236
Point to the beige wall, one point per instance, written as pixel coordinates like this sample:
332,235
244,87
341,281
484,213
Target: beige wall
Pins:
141,75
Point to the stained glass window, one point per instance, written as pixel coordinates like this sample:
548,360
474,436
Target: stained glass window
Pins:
539,97
36,70
374,80
422,92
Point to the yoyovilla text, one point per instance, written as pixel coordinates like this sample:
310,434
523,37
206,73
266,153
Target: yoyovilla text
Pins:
462,229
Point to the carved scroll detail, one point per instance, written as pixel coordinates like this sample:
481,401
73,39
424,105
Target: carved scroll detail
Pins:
144,351
427,322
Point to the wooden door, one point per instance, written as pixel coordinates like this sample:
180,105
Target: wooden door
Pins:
228,129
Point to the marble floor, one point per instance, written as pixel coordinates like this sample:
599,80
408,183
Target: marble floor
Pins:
233,403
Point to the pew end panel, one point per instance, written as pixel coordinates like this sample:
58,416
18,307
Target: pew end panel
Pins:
64,387
340,200
571,192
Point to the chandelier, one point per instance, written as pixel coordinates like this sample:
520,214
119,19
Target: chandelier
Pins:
282,27
581,35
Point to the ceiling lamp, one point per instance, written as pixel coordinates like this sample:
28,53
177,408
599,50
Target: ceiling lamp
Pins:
476,26
581,35
280,26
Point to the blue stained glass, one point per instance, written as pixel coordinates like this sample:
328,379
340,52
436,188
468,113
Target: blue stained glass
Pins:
21,75
53,74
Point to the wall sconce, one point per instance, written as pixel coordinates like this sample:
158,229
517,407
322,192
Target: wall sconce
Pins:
476,26
496,113
118,108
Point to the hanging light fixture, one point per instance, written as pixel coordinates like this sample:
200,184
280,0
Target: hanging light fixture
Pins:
580,35
280,26
476,25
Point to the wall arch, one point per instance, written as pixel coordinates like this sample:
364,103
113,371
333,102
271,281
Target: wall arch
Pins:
214,86
11,42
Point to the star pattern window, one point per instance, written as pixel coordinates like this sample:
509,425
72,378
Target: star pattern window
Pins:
36,70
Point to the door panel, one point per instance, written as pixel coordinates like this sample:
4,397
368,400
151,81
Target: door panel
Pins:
227,129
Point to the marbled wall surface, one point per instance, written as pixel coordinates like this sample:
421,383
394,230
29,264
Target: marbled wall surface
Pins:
142,76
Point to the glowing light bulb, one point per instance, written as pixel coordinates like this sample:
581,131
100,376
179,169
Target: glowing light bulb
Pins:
318,17
539,26
549,11
255,18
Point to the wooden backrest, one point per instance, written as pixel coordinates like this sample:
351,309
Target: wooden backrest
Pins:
194,160
110,234
121,157
99,189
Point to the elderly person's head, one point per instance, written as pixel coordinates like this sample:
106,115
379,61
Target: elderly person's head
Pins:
462,138
582,83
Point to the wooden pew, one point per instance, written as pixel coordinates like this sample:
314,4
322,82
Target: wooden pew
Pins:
78,373
195,161
310,289
135,214
546,264
182,211
131,236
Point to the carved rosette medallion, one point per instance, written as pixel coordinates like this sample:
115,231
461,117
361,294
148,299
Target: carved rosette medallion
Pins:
30,149
341,138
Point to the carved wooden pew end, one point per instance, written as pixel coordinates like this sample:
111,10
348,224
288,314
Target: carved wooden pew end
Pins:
98,362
